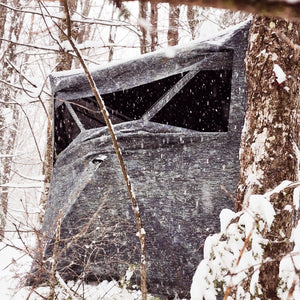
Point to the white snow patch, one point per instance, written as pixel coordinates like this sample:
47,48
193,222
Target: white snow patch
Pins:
261,206
144,23
253,176
288,208
22,185
101,157
199,289
226,216
262,53
274,56
289,267
248,220
143,232
279,74
170,52
296,197
284,184
258,147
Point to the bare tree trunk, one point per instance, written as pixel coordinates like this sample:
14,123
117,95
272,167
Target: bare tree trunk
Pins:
193,20
3,12
65,61
173,34
111,38
271,133
9,114
83,30
64,58
154,31
143,8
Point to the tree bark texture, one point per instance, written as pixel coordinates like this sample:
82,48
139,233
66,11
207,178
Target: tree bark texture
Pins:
275,8
83,30
154,31
271,133
194,19
111,39
173,34
3,13
9,114
64,58
143,9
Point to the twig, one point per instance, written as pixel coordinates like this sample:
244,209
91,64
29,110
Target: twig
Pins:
245,245
87,226
84,20
30,45
65,287
55,258
291,290
33,135
228,290
223,188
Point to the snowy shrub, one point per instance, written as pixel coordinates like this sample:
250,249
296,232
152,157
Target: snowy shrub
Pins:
290,270
232,258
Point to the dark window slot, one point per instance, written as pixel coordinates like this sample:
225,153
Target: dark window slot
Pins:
201,105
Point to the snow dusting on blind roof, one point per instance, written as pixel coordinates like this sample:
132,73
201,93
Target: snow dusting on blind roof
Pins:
220,42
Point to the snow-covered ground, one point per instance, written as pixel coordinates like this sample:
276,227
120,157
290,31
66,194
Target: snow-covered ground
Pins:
14,264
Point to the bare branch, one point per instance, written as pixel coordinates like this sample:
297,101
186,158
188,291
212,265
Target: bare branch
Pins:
55,257
33,135
141,231
30,45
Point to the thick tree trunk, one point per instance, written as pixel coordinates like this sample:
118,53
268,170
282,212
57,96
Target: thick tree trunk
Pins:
283,9
271,132
83,30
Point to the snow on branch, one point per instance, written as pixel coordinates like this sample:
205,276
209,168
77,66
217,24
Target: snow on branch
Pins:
232,258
